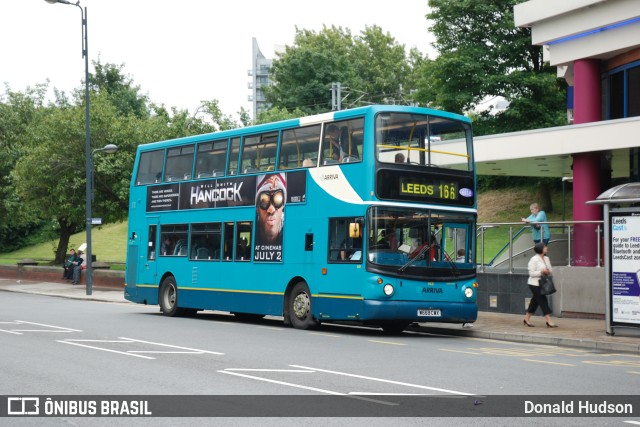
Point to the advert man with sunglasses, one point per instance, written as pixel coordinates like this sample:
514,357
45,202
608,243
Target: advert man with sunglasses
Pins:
271,195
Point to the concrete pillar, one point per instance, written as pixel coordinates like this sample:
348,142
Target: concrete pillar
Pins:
586,186
586,166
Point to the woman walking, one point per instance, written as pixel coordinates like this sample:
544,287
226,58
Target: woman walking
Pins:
539,265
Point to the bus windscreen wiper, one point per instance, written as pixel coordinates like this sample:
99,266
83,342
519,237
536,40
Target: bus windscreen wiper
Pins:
418,255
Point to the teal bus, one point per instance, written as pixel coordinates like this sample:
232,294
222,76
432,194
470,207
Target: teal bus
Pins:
364,215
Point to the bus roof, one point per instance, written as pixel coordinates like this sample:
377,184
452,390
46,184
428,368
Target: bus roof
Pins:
303,121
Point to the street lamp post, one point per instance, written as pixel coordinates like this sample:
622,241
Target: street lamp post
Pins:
88,165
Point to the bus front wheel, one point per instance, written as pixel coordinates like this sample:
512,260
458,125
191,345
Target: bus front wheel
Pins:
168,297
300,307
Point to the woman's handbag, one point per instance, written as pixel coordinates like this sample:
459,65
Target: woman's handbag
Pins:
546,285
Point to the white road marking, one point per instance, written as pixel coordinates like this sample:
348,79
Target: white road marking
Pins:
49,326
385,381
172,346
104,349
135,353
59,329
269,370
366,393
319,390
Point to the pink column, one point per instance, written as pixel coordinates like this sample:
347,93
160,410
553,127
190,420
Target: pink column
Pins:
586,166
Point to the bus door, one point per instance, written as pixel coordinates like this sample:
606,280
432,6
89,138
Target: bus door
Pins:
147,266
132,262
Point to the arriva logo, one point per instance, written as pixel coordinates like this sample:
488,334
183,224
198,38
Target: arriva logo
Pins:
430,289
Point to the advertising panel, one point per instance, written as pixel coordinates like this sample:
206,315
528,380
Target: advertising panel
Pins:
625,267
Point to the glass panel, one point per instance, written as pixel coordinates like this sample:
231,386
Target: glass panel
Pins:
206,240
299,147
345,239
421,140
150,167
418,238
151,244
227,250
616,91
233,156
342,142
633,92
211,159
179,163
243,239
259,153
174,240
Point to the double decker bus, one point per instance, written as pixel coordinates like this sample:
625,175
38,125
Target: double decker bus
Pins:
364,215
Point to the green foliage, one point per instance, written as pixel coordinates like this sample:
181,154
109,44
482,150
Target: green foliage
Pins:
276,114
17,111
482,55
371,67
119,89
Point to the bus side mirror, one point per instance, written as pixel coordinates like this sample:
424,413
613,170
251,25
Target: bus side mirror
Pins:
308,242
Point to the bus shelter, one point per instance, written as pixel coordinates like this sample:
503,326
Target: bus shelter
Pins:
622,255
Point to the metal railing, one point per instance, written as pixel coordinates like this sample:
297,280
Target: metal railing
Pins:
567,229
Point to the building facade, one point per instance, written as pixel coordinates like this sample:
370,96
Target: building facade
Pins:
595,44
259,74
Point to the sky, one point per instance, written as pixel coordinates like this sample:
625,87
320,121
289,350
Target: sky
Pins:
180,52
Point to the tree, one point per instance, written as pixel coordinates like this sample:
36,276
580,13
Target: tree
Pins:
276,114
17,111
371,67
119,89
482,55
48,177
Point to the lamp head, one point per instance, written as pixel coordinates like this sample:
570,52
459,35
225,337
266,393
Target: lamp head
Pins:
110,148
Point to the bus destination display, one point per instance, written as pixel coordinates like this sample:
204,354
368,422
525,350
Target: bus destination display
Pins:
445,188
437,189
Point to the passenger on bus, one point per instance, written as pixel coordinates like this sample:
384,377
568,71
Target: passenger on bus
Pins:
243,251
399,158
167,247
333,143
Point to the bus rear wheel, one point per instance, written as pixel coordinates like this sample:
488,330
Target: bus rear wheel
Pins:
300,307
168,297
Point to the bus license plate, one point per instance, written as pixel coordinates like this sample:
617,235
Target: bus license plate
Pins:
429,313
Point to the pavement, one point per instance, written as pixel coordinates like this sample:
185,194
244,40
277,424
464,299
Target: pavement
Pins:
582,333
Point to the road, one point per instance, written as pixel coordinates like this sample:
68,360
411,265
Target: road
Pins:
56,346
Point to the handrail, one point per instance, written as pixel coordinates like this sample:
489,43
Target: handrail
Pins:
568,225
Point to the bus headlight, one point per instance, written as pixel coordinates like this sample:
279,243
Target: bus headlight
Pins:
388,289
468,292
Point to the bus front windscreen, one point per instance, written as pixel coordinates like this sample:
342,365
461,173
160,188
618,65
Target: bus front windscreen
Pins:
418,241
